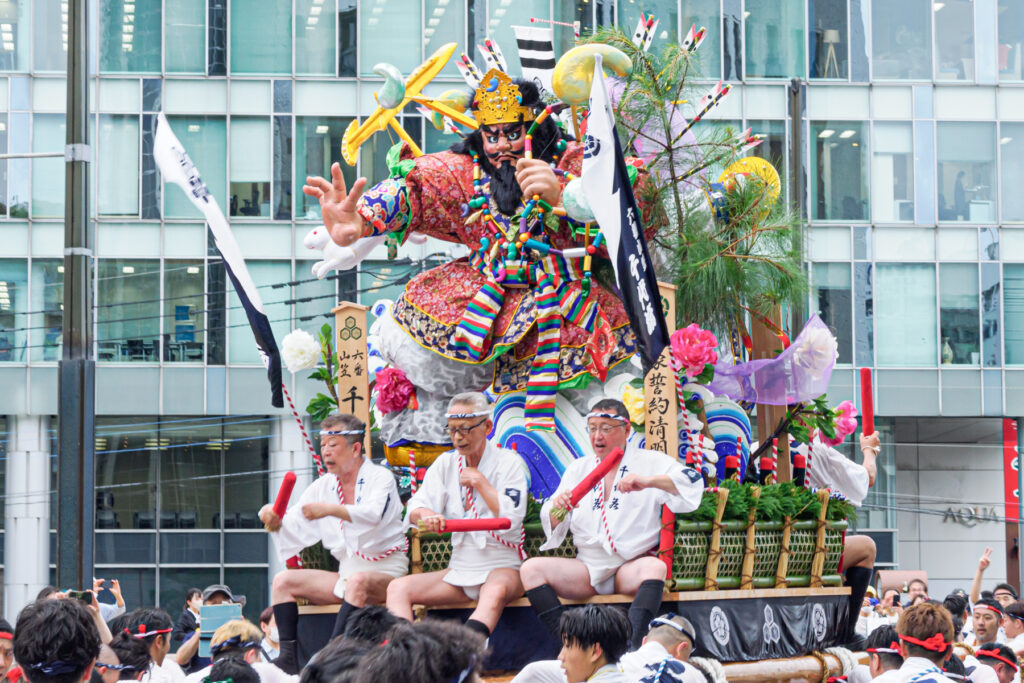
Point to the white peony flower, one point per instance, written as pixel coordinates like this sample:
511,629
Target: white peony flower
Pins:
300,351
816,352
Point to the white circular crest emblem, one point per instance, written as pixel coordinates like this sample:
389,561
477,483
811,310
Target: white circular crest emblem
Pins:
719,626
819,622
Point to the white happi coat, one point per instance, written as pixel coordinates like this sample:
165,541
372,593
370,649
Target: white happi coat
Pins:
475,554
634,519
828,468
643,665
919,670
376,513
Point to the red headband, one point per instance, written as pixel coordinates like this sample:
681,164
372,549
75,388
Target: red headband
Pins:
997,611
893,649
936,643
4,635
994,654
143,633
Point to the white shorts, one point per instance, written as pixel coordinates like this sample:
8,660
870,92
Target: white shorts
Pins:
602,567
396,564
470,567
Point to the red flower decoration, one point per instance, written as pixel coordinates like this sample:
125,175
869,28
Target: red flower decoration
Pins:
394,390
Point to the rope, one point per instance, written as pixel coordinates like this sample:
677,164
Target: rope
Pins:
470,497
305,435
403,546
826,670
604,516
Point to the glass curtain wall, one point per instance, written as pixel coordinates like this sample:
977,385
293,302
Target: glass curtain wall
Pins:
774,38
901,40
828,40
966,171
839,171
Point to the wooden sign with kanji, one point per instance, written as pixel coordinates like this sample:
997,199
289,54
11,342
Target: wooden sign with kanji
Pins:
353,384
661,424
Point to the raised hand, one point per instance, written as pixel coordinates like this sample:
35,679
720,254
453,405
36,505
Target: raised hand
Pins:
338,205
985,560
271,522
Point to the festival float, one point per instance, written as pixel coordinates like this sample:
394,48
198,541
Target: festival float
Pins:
558,305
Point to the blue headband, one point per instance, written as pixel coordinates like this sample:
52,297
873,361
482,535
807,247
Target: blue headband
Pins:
57,668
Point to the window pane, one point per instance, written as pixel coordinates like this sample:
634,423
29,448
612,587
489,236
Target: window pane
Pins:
126,452
189,548
250,167
892,173
137,585
183,311
47,316
114,548
828,41
128,310
313,299
204,138
48,174
314,37
831,294
245,548
347,25
317,146
395,37
666,12
954,40
261,37
174,583
118,165
50,54
958,314
190,475
839,168
18,169
241,346
905,315
774,38
254,584
901,40
732,35
16,24
130,36
706,13
1011,40
185,27
246,459
445,23
1011,148
13,306
966,160
1013,281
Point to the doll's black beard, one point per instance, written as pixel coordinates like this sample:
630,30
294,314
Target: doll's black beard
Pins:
505,188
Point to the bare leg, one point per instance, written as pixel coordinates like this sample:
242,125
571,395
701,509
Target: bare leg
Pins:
421,589
501,587
367,588
569,577
636,571
315,585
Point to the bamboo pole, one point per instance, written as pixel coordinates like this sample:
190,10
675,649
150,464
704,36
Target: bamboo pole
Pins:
783,568
715,547
818,563
417,552
747,570
807,668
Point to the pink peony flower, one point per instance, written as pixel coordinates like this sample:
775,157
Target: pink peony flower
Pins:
394,390
692,349
846,423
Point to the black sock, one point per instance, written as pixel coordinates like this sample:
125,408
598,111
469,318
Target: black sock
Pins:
644,608
344,611
858,579
286,614
478,626
546,604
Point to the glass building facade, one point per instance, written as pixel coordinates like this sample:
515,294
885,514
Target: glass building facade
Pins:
911,136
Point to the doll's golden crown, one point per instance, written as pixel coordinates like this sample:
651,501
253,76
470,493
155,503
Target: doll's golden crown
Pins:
498,100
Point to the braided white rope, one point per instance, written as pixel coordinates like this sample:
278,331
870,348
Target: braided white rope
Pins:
712,668
845,657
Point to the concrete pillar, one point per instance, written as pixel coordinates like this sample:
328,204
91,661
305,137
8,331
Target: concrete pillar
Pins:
26,513
288,453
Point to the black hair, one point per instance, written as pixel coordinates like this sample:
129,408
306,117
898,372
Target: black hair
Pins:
602,625
337,662
5,626
920,581
266,615
55,640
885,636
611,405
191,593
132,652
371,624
46,592
990,602
954,665
986,595
1004,651
234,669
1005,587
504,189
956,604
429,651
148,620
120,623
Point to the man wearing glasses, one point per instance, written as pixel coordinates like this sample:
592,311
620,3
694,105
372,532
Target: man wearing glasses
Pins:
615,526
474,480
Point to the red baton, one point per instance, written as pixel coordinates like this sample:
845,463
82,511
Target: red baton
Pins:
867,405
590,481
284,494
486,524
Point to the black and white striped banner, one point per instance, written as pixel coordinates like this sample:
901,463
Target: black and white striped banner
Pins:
176,167
536,53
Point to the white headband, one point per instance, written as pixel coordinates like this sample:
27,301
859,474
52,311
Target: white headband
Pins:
461,416
342,432
610,416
